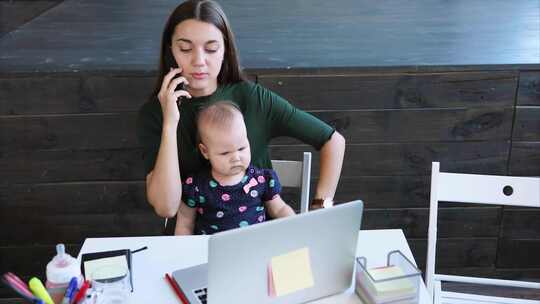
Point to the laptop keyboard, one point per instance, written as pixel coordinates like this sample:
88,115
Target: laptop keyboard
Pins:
201,295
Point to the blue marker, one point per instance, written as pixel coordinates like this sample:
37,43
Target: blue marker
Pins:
70,291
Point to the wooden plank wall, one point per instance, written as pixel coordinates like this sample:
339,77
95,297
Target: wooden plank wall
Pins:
71,166
15,13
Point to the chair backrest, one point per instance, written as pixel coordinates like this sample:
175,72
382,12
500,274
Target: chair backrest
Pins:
478,189
295,174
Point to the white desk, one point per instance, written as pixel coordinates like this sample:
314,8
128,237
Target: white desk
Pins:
168,253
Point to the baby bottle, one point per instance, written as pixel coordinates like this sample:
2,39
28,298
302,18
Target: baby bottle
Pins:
60,270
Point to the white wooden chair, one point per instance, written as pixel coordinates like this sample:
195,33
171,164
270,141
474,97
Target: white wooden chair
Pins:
294,174
478,189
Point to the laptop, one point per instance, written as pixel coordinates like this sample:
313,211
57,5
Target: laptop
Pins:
238,259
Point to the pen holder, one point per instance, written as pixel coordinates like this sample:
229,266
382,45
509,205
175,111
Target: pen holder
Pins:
110,285
396,282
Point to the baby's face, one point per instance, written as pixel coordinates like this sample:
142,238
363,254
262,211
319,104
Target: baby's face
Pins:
227,148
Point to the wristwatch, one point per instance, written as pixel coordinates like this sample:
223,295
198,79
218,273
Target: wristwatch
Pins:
318,203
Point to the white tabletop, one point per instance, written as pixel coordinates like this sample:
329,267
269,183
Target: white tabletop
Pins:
168,253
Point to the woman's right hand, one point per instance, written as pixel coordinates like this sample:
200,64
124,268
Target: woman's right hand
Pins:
169,98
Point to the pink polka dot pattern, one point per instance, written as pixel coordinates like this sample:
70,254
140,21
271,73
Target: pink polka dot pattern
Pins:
221,207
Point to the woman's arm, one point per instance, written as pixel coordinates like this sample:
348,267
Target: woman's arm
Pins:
331,161
163,184
286,120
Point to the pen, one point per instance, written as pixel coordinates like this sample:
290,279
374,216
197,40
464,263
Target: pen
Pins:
15,283
39,290
20,290
69,291
81,292
176,289
140,249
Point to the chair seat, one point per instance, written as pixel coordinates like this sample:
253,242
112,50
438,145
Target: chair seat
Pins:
447,297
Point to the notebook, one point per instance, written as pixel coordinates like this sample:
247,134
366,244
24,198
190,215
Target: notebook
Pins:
250,264
120,258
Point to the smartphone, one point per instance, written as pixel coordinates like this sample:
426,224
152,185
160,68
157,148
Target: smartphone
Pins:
171,63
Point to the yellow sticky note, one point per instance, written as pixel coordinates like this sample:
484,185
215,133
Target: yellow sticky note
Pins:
291,271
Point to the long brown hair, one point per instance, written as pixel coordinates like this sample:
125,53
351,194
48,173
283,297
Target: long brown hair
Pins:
206,11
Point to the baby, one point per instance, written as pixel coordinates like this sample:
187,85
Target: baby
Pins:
233,193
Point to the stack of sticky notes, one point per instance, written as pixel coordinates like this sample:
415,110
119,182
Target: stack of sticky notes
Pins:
385,286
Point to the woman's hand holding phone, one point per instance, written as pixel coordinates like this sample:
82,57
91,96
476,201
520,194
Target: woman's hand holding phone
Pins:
170,96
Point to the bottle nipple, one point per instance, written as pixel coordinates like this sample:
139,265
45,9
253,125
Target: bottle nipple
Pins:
60,259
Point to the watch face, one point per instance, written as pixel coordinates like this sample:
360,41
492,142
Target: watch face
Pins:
327,203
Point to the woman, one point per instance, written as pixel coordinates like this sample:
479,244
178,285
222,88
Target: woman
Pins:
199,64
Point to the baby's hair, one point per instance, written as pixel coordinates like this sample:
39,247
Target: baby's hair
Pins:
220,113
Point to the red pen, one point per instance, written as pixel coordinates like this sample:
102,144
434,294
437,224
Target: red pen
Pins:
82,291
176,289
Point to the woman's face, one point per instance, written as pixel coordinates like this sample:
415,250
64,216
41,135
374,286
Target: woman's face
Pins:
198,48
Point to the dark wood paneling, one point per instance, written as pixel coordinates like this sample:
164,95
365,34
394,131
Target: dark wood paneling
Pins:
39,94
525,159
73,93
92,131
525,274
527,125
518,253
74,211
457,253
411,158
352,34
114,131
452,222
418,125
416,158
16,13
494,291
28,228
74,198
61,166
529,89
385,191
29,261
530,274
372,91
384,159
115,93
521,223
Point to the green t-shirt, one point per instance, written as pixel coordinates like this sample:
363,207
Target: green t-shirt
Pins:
266,114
